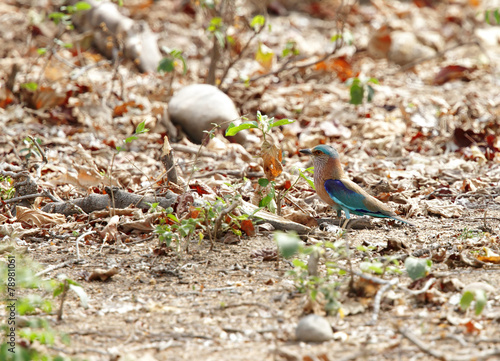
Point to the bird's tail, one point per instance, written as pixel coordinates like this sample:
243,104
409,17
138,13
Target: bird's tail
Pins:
403,221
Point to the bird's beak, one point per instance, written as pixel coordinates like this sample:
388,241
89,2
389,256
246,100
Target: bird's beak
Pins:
305,151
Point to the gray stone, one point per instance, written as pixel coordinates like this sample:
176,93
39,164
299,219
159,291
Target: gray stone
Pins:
313,328
195,107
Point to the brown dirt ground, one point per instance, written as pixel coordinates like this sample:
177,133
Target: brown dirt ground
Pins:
226,305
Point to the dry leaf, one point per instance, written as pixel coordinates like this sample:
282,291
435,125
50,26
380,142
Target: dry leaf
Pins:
248,227
452,72
265,56
38,217
110,232
271,155
442,208
102,275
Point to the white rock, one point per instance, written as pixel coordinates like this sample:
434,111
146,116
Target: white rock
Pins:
195,107
313,328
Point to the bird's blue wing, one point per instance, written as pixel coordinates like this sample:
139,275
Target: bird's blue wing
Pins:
348,199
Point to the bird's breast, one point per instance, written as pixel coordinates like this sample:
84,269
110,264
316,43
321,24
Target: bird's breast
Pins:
319,183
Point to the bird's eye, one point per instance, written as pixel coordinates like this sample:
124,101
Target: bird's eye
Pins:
316,152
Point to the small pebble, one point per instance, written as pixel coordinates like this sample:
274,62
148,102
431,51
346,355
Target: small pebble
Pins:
314,328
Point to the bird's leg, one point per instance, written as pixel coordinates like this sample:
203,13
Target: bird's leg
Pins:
341,219
347,253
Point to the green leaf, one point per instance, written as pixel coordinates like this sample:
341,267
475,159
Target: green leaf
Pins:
496,13
56,17
31,86
166,65
373,81
336,37
371,93
466,300
71,282
346,37
481,300
290,48
216,22
375,267
266,201
487,16
41,51
257,22
82,5
130,139
357,92
308,179
141,128
288,243
263,182
299,263
58,290
184,65
173,218
233,129
282,122
417,267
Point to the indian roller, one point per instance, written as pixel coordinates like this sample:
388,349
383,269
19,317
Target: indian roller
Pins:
342,194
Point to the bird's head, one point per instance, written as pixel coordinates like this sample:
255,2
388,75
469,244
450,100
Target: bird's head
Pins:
321,152
325,160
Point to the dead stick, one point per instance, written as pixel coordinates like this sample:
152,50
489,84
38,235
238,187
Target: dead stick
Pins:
54,267
406,334
222,214
168,161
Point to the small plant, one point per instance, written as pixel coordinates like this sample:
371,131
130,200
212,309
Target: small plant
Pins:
380,268
140,129
167,64
30,148
223,42
307,278
271,155
495,13
65,15
474,294
178,231
61,288
345,37
7,190
303,175
208,220
358,88
23,339
290,49
468,233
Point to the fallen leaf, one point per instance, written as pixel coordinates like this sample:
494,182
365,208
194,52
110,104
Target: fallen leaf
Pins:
452,72
339,66
110,232
248,227
38,217
265,56
102,275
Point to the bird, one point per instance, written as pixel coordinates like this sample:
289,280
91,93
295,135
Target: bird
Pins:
338,191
